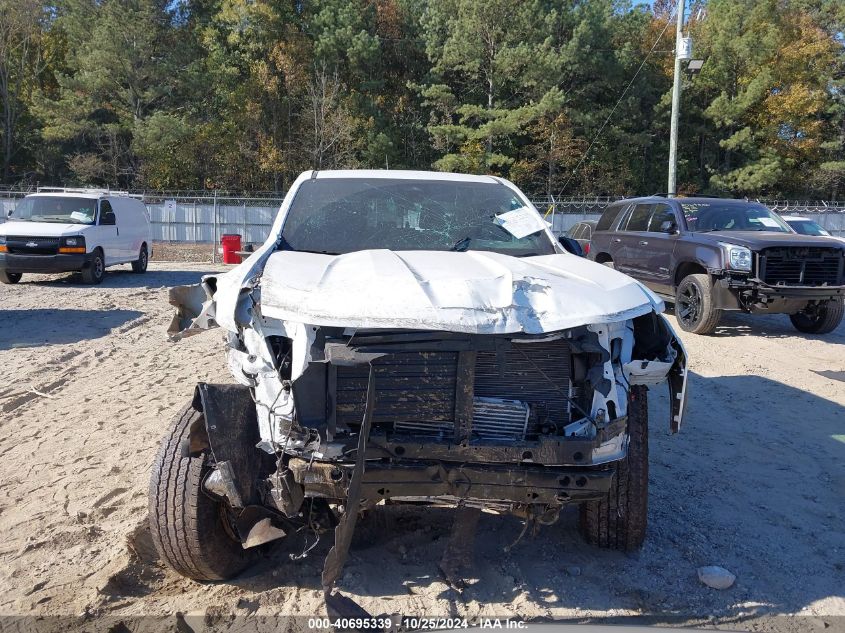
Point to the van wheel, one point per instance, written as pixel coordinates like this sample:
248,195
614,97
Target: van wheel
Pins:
618,521
140,264
96,269
819,319
191,530
10,278
694,305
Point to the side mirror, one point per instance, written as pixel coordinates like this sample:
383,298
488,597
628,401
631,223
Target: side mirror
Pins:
669,226
571,245
108,219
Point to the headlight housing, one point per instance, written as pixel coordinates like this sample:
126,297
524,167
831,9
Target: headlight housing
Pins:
72,244
737,257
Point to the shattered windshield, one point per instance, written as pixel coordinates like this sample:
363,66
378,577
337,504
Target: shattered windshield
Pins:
56,209
731,216
344,215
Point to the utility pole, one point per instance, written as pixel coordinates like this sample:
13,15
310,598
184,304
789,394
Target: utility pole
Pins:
676,104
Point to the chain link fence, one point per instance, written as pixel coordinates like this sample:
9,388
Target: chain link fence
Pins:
201,218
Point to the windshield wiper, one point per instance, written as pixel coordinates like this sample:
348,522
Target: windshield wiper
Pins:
461,245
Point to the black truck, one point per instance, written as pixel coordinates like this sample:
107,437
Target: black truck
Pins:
707,255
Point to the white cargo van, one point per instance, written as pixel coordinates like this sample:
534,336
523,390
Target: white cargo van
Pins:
67,230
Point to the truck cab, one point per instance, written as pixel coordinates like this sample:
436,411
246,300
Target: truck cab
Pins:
74,230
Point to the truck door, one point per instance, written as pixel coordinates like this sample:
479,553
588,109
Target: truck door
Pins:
631,231
659,250
108,234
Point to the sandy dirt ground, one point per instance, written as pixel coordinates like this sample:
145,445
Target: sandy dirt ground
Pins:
755,482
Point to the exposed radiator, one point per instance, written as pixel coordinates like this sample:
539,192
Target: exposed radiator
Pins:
536,373
515,391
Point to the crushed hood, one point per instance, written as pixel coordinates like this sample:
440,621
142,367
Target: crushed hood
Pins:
474,291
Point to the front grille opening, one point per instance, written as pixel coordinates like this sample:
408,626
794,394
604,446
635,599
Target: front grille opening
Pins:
23,245
801,266
519,393
412,388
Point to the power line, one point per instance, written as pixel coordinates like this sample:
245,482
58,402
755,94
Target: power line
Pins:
622,96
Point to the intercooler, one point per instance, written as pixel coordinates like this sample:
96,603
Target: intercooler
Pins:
516,392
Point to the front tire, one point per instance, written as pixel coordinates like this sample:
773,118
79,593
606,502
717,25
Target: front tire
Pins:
823,319
694,305
187,524
618,521
10,278
140,264
96,270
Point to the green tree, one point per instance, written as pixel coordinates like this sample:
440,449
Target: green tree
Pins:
765,81
22,59
489,68
122,67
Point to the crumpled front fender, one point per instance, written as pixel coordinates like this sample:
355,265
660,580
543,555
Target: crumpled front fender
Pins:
660,356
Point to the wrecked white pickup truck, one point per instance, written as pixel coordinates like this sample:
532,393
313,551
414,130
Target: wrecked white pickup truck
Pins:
411,337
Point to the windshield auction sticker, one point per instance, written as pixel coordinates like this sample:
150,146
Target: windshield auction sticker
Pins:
520,222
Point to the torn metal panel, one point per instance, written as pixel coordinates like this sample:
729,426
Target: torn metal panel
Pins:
263,532
678,387
646,372
195,309
221,482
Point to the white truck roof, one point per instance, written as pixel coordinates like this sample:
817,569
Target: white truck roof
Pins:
401,174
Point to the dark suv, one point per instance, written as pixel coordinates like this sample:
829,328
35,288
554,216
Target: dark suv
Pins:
709,254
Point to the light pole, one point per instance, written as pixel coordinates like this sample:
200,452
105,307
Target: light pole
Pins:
676,103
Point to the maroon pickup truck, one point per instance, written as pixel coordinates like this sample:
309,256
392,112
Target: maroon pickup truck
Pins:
707,255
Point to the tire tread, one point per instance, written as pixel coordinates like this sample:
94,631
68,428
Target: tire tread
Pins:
619,520
185,524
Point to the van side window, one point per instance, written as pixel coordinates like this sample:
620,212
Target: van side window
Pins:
106,213
639,218
609,217
662,213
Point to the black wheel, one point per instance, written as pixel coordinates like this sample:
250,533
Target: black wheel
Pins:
619,520
10,278
140,264
96,269
819,319
694,305
609,263
190,528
